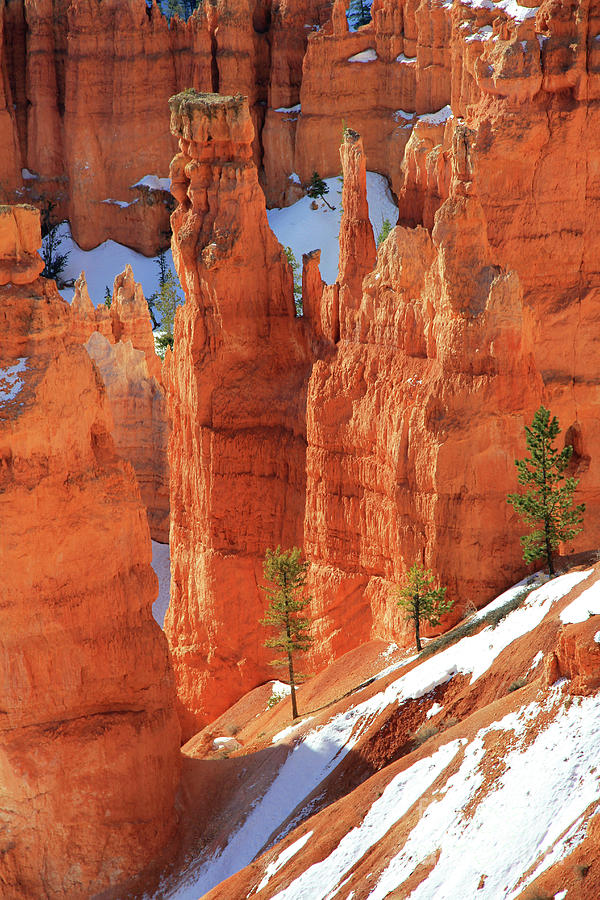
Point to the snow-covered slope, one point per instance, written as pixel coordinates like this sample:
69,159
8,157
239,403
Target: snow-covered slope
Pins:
467,738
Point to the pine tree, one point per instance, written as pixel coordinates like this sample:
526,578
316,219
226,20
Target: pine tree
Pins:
295,266
286,576
317,189
359,13
547,505
107,297
386,227
420,601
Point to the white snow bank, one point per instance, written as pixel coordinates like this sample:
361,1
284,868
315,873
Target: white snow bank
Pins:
527,820
10,383
435,709
294,178
510,7
279,691
597,637
103,263
321,879
584,606
161,563
283,858
26,175
406,60
365,56
226,743
437,118
305,229
402,114
289,109
154,183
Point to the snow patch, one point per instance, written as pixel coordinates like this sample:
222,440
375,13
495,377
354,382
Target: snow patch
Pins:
510,7
283,858
402,114
583,607
122,203
437,118
294,178
597,637
10,383
402,792
543,792
305,229
161,563
28,176
365,56
154,183
286,732
289,109
435,709
536,661
483,34
103,263
407,60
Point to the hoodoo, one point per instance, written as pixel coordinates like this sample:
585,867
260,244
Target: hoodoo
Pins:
236,388
89,738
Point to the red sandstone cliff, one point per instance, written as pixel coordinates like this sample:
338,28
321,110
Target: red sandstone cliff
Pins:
89,738
236,387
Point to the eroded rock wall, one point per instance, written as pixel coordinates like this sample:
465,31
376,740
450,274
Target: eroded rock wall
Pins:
236,387
89,738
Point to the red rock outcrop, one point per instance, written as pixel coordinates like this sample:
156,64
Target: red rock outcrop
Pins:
236,387
140,423
131,320
89,737
433,358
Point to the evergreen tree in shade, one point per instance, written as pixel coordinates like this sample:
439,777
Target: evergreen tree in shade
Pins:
547,505
359,13
286,576
317,189
107,297
421,602
295,267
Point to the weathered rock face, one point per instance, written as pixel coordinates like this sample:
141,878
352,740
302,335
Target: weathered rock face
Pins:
88,718
236,387
414,425
140,423
133,378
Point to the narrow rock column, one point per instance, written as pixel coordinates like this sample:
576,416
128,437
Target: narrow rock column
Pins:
89,738
357,244
236,388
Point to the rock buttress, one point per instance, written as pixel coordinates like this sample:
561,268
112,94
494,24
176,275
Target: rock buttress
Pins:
89,738
236,387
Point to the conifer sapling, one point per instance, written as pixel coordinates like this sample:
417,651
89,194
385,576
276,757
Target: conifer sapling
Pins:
421,602
317,189
547,505
286,576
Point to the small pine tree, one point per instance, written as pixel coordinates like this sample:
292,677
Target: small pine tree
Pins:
421,602
359,13
55,261
286,576
547,505
295,267
386,227
317,189
107,297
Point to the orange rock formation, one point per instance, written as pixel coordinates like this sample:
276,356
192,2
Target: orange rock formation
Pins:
134,386
236,387
89,738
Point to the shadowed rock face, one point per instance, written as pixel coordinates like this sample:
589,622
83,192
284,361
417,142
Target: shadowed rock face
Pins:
89,739
236,386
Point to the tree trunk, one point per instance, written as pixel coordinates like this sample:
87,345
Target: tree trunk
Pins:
292,686
418,625
548,551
